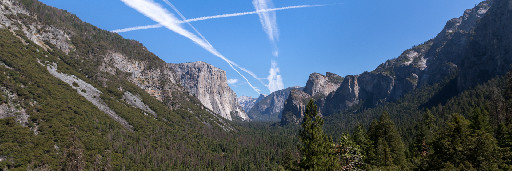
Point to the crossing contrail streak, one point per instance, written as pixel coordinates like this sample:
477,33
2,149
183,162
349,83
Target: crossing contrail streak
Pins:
183,18
214,17
194,28
160,15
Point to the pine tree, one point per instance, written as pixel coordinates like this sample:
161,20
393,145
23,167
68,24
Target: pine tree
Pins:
389,148
317,149
349,153
424,135
480,120
459,146
363,140
504,138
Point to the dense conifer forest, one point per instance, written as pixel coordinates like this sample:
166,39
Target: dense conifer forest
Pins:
434,127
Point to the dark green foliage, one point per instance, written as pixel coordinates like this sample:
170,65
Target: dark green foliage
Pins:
317,149
458,146
361,138
504,138
480,120
420,148
66,132
349,152
388,148
73,134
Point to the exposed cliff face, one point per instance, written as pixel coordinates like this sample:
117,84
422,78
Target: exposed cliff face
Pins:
209,85
320,85
247,102
105,58
475,47
269,108
294,107
489,50
160,82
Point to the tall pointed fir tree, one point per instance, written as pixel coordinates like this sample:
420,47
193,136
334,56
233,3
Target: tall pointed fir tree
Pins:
349,153
424,135
389,149
317,149
362,139
459,147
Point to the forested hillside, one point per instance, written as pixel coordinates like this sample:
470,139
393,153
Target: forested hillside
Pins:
75,97
67,105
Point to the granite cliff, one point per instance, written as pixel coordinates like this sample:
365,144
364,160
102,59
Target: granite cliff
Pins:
209,85
470,49
317,88
270,107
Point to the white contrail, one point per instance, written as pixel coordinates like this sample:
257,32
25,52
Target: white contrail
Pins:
215,17
183,18
137,28
258,11
275,81
269,24
160,15
194,28
267,18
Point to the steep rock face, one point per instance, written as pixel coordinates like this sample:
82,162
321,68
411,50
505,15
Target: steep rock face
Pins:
424,64
320,85
103,57
294,107
269,108
489,50
209,85
247,102
476,45
160,82
347,95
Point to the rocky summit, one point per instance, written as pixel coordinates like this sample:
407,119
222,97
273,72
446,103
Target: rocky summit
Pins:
209,85
269,108
452,53
317,88
76,97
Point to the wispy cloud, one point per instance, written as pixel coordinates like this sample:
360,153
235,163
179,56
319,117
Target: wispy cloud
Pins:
215,17
267,18
163,17
183,18
269,24
232,81
138,28
275,81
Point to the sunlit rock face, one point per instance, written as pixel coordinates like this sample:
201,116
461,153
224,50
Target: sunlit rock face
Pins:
470,49
209,85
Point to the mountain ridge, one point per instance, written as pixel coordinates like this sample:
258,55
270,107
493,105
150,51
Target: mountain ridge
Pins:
424,64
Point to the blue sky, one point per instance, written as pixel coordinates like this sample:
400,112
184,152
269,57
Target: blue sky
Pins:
345,37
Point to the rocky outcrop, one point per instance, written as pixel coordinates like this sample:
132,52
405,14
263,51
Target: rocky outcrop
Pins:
475,47
322,85
159,82
209,85
89,92
294,107
10,107
247,102
104,55
318,87
489,50
269,108
137,102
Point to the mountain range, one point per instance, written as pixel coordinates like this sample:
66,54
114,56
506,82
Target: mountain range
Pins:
468,49
76,97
